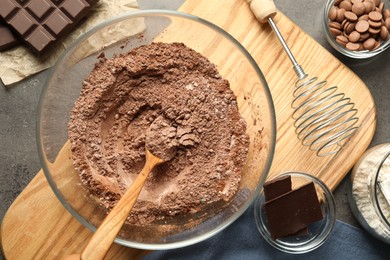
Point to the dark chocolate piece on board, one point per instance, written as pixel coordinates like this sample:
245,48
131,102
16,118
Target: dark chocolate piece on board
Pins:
7,38
293,211
277,187
40,23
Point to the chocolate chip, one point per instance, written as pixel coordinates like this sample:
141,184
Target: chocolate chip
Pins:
342,40
354,36
362,26
369,6
359,9
374,30
335,25
364,36
386,13
374,24
332,15
378,43
381,7
346,5
375,16
340,15
352,46
384,33
335,32
387,23
350,27
369,44
344,23
351,16
363,17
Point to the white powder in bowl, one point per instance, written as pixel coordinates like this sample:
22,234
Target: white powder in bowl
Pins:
363,176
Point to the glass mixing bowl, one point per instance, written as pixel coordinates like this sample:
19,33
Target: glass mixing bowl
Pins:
134,29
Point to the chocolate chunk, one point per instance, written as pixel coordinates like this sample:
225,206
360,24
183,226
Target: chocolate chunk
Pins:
40,23
293,211
7,38
277,187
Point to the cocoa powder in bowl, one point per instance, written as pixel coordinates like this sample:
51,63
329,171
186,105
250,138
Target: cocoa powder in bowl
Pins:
364,23
172,84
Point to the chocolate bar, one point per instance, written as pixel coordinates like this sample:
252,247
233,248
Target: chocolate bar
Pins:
277,187
40,23
293,211
7,38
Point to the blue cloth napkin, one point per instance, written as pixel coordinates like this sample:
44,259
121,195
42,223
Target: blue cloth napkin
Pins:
241,240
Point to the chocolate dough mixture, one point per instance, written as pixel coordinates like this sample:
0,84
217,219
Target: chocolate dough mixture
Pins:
183,91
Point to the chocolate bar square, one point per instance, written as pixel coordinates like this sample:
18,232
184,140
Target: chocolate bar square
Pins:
293,211
277,187
7,37
39,8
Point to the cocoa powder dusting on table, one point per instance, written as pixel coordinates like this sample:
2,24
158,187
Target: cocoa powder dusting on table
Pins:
119,101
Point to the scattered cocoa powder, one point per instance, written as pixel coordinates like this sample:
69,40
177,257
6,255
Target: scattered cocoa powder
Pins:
178,87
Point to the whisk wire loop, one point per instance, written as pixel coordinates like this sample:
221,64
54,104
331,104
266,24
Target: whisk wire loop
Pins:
336,143
326,128
324,118
305,106
322,110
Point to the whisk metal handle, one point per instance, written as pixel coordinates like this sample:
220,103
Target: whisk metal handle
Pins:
264,11
297,68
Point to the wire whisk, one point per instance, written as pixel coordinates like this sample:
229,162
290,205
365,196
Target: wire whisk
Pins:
324,118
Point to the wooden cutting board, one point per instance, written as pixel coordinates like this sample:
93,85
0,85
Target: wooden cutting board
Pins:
38,226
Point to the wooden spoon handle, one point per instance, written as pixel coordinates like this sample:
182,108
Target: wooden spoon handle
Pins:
108,230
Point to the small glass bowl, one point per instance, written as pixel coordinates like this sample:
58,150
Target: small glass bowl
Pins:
318,232
353,54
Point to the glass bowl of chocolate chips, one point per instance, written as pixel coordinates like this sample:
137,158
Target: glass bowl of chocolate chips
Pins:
295,212
358,28
208,95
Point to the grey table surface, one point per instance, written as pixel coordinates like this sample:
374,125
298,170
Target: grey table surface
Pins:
18,106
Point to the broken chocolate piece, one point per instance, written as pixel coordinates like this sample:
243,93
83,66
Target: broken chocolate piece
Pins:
293,211
7,38
277,187
40,23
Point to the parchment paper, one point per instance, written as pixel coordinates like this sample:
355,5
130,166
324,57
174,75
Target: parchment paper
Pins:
19,62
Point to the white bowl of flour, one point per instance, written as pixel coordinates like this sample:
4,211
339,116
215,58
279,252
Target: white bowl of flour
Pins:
370,191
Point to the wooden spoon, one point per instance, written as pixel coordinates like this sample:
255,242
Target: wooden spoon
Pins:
106,233
161,140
